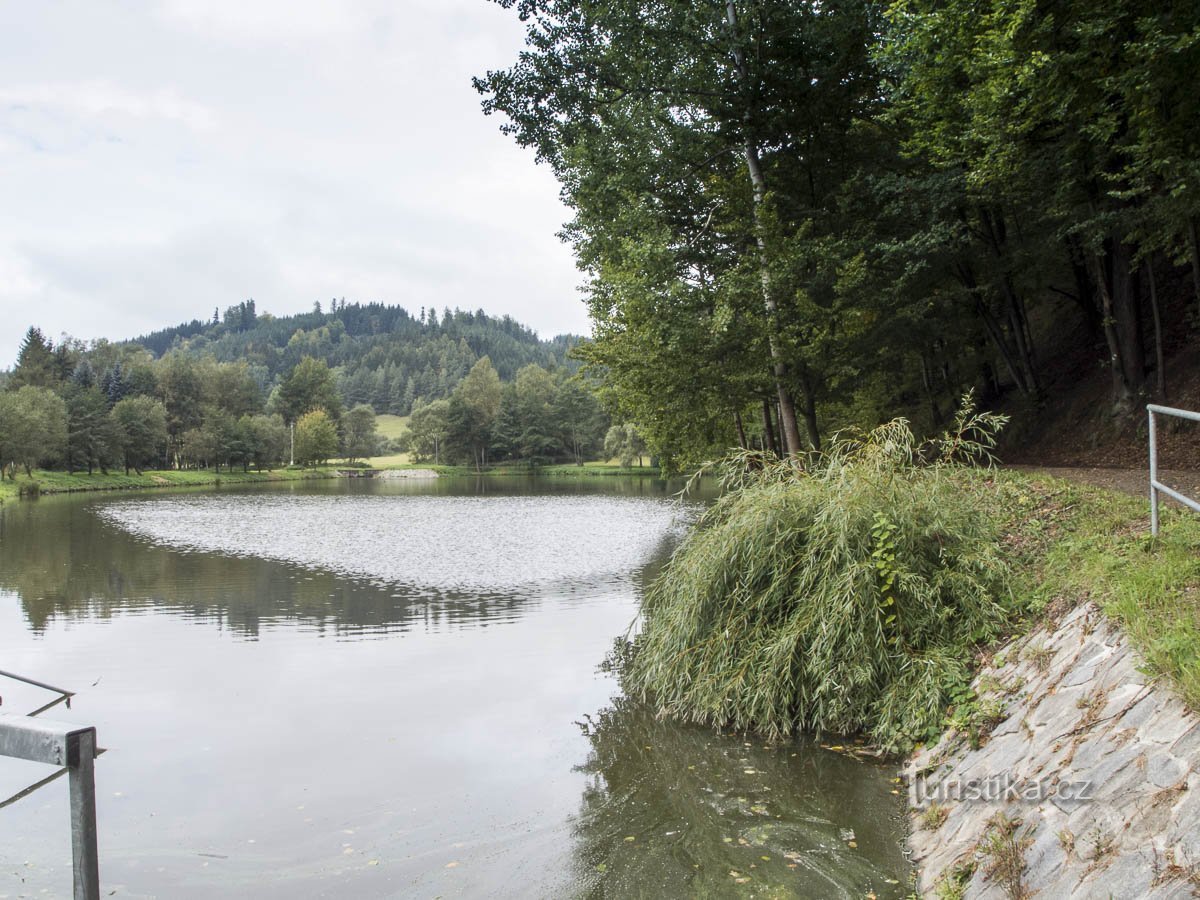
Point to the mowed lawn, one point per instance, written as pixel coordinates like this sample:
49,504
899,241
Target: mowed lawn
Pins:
391,427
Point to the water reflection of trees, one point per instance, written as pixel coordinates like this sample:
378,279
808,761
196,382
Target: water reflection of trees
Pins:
699,807
64,562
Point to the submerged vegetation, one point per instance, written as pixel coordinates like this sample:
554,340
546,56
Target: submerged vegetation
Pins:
842,597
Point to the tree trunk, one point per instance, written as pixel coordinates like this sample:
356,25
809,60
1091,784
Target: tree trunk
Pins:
810,410
1195,254
967,278
769,427
1160,369
1085,292
1126,311
1122,393
741,430
935,413
787,408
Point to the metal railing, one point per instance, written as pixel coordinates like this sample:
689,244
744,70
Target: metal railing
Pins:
1156,486
72,748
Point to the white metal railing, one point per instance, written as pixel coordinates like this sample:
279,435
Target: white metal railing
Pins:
1156,486
73,749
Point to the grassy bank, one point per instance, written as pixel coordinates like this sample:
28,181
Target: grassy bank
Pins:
862,595
1086,543
50,482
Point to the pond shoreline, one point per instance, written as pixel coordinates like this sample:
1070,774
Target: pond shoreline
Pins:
74,483
49,482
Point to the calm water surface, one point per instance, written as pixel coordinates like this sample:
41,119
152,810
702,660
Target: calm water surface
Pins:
376,689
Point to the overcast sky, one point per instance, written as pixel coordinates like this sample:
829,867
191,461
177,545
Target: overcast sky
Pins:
159,158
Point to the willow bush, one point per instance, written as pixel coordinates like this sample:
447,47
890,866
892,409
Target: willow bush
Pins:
845,596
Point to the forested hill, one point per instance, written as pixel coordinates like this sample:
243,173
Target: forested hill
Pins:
386,356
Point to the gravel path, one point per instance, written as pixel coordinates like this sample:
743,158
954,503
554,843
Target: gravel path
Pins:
1129,481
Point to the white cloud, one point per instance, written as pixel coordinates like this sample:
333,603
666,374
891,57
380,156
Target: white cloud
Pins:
158,159
97,99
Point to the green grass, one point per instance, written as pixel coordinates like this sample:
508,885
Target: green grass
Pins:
1097,545
392,461
51,482
391,427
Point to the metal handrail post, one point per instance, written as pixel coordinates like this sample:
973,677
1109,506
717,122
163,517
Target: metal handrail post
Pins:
85,856
1153,473
1156,486
72,746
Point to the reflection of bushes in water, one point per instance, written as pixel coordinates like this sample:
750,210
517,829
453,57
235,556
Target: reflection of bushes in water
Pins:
62,561
699,805
841,598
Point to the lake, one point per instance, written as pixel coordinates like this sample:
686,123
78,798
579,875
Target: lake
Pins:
389,689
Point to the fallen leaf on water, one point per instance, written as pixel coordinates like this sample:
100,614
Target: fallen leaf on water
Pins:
765,857
853,845
372,862
630,838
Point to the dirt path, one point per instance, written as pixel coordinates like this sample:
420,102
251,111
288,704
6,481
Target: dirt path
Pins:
1129,481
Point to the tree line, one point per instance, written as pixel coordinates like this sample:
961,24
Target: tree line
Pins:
539,417
797,216
107,405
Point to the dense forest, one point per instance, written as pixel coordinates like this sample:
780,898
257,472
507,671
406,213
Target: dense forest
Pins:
385,357
249,389
799,216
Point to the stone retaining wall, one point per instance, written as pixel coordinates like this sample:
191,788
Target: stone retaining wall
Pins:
1088,785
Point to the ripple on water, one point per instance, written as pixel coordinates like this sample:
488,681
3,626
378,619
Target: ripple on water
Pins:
438,543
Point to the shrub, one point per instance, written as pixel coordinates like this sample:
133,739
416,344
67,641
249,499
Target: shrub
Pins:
843,597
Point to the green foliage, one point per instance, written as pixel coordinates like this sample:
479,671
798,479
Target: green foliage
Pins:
36,363
316,438
33,428
310,386
623,443
472,414
428,428
92,441
140,431
865,209
360,439
843,597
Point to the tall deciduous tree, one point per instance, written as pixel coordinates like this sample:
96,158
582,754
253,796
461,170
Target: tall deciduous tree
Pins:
360,439
33,428
472,413
316,437
310,386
